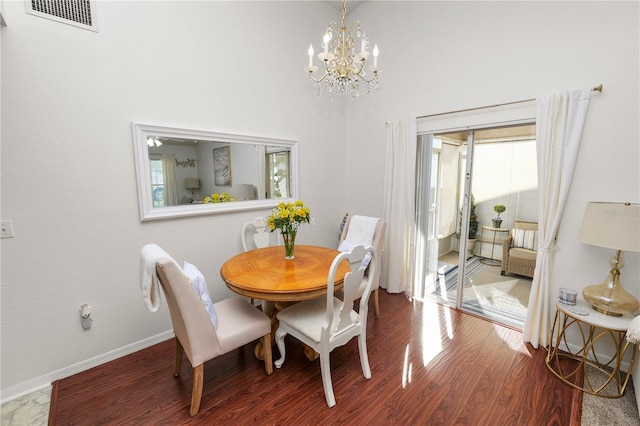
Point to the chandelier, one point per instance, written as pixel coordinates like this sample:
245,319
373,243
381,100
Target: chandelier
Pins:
344,65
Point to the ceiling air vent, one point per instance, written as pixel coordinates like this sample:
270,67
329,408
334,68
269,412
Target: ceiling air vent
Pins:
79,13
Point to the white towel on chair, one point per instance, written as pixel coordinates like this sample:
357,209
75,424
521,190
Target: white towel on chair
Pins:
361,230
633,332
149,282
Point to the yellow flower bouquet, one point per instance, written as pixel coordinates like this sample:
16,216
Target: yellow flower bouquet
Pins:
219,198
287,218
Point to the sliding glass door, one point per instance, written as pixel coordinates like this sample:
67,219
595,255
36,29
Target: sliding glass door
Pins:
438,217
462,175
426,201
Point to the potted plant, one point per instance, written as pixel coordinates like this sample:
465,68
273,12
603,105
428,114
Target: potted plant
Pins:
497,221
473,227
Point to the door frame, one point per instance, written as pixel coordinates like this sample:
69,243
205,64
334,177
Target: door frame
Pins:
428,127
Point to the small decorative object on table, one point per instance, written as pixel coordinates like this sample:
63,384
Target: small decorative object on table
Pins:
287,218
497,221
219,198
567,296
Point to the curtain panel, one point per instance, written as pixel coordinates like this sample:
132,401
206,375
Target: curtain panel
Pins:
170,184
399,206
560,119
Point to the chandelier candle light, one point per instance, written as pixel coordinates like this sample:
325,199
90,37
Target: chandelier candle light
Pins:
344,66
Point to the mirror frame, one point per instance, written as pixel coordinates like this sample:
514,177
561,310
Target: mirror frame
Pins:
143,171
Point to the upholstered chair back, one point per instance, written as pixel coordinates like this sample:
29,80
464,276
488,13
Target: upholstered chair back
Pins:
191,323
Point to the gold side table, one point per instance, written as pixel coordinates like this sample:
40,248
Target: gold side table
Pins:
595,329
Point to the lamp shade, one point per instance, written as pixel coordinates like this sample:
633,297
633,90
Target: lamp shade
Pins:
612,225
244,191
192,183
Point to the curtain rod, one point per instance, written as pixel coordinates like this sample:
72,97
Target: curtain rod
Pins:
595,89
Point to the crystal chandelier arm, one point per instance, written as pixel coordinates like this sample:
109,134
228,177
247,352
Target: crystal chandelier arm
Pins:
364,78
318,80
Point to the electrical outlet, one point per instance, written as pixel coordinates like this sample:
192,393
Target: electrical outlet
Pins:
6,229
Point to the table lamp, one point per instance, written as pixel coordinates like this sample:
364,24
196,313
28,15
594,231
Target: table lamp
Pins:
244,191
615,226
192,183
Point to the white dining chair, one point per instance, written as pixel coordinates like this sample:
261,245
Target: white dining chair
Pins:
377,241
256,234
324,324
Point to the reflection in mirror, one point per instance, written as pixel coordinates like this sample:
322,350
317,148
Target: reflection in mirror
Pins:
184,172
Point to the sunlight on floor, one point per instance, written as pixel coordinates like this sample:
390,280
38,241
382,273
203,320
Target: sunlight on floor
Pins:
442,287
486,291
406,368
507,337
431,339
431,342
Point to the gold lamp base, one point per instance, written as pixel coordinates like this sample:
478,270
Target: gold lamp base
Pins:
609,297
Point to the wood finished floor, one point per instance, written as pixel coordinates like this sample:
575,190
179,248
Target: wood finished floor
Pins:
430,365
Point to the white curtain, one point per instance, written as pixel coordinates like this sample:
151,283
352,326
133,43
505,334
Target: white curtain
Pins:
170,185
261,170
559,122
399,206
448,190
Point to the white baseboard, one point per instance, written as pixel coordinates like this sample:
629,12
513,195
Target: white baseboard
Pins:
45,380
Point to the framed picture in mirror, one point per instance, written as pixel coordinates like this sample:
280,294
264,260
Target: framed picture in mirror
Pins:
222,166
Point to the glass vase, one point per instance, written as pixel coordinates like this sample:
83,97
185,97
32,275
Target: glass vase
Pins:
289,244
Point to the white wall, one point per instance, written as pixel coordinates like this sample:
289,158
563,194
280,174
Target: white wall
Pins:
68,177
68,97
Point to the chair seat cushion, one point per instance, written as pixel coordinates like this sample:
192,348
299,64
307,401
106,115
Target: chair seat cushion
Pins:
239,322
522,253
308,316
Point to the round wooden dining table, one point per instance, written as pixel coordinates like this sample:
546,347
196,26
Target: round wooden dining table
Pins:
264,274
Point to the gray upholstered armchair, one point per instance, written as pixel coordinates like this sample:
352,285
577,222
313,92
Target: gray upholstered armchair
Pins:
519,250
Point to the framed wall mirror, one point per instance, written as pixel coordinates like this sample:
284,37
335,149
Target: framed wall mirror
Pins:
185,172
